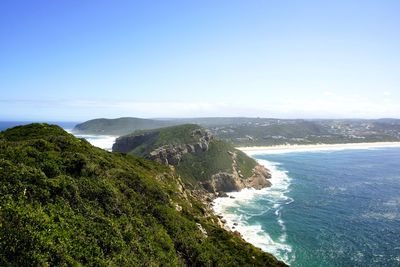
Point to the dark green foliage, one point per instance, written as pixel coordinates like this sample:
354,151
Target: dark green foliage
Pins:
34,131
218,158
66,203
193,167
245,163
152,139
201,166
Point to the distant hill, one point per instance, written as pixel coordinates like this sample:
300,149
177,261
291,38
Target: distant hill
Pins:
203,161
268,131
66,203
119,126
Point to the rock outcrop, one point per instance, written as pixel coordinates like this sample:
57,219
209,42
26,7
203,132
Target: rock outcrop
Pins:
172,154
127,143
222,162
221,181
229,182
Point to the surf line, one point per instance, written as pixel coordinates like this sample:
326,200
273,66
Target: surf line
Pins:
243,213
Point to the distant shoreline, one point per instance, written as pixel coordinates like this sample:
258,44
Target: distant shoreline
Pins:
251,150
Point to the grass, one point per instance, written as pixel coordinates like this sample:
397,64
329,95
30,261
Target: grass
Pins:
218,158
201,166
194,168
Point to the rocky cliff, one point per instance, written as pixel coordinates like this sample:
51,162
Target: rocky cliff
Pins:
229,182
213,165
172,154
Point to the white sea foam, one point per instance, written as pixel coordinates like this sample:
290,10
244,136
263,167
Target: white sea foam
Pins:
251,151
238,219
102,141
381,215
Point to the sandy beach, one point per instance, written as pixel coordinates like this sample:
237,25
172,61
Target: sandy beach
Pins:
315,147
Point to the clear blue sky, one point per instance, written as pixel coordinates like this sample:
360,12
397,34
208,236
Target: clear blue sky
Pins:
77,60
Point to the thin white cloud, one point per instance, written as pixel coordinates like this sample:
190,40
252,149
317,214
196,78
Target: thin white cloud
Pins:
333,107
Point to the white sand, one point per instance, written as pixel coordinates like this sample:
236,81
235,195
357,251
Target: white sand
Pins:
317,147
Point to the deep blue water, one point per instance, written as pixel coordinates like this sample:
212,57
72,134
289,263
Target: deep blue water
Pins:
339,208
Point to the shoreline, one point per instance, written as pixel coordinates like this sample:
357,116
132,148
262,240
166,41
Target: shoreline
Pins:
277,192
252,150
254,233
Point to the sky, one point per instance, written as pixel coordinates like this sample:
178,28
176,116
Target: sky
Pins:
78,60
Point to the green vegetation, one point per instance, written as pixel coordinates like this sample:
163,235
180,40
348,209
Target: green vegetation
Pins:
118,126
201,166
174,135
245,163
193,167
65,202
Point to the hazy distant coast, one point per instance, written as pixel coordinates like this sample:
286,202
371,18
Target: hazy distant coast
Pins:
251,150
243,132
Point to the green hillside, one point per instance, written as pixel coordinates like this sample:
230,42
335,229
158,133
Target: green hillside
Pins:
152,139
196,166
118,126
202,166
64,202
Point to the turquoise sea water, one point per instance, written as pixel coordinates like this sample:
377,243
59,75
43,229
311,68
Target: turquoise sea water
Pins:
332,208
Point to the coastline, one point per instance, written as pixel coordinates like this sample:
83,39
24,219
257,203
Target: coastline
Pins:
254,233
227,207
252,150
101,141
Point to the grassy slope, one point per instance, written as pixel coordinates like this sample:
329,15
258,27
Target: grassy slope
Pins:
200,166
174,135
64,202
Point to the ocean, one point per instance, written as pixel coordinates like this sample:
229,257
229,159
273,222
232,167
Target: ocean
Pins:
102,141
325,208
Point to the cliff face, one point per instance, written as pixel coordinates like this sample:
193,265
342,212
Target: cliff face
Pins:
213,165
172,154
235,181
128,143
